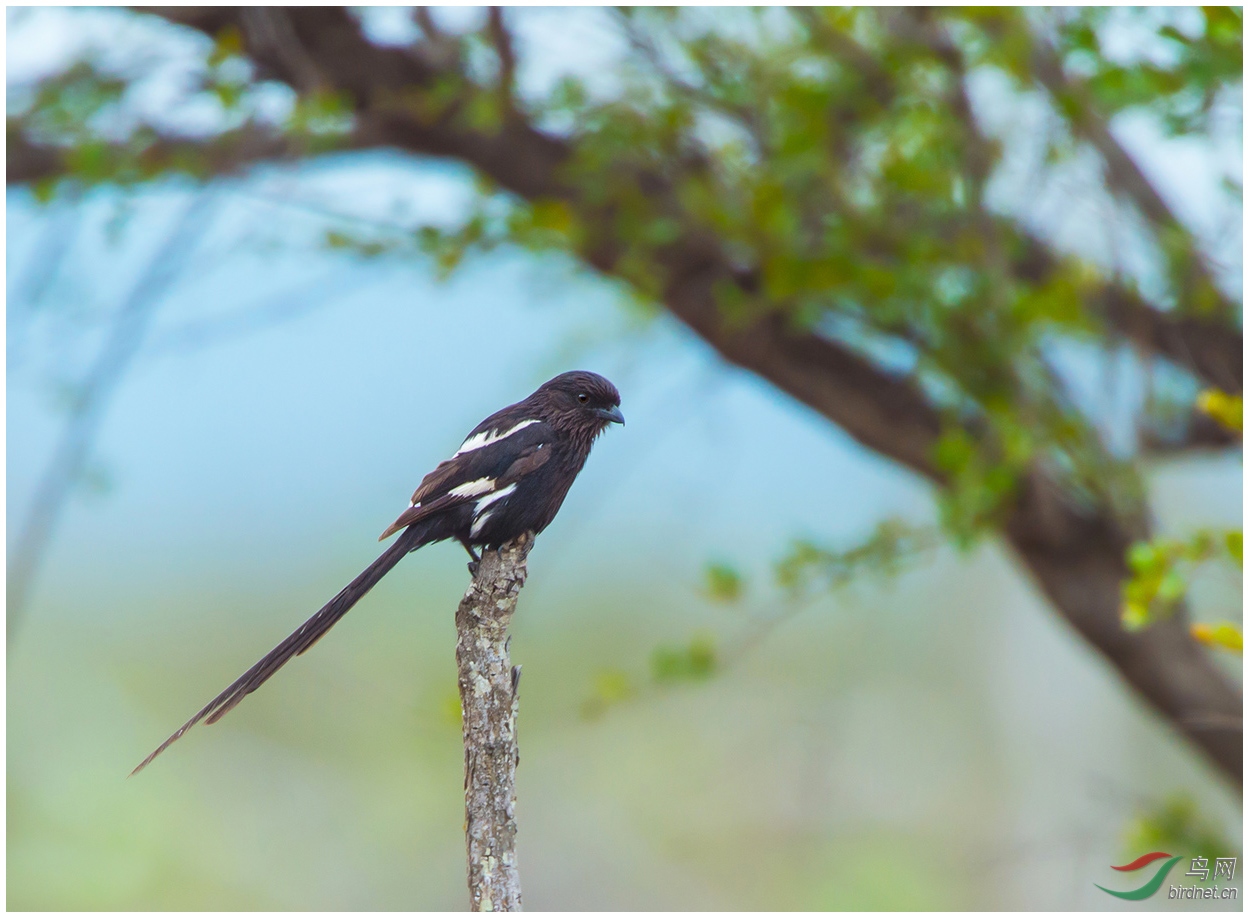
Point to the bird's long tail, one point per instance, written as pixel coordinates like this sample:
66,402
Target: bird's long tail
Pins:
303,637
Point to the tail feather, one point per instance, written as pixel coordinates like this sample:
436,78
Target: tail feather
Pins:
300,640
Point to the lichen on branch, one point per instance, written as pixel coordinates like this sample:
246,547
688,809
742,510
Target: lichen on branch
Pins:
488,701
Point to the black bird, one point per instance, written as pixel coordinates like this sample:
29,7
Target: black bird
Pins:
508,478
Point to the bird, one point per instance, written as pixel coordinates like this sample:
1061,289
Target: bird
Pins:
509,477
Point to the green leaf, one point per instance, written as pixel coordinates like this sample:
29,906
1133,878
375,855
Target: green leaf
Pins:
723,583
1171,586
892,544
1235,545
1220,634
1142,557
611,687
1135,616
695,661
227,43
1174,824
44,190
1228,410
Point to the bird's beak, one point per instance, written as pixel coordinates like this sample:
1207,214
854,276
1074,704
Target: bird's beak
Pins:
610,414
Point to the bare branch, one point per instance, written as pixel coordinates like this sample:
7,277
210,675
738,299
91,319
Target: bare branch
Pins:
221,154
488,702
236,323
271,33
384,81
501,39
641,43
876,79
49,251
427,25
1209,348
1200,433
1124,175
66,464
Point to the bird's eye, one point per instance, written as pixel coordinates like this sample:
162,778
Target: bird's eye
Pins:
582,397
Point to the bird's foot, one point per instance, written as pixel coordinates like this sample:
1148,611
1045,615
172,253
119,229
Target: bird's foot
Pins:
473,564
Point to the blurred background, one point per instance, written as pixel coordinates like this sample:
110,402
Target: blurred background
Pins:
766,665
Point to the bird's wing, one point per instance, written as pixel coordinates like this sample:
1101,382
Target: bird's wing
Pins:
531,459
419,512
494,454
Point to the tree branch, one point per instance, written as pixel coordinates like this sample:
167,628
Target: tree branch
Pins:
1209,347
488,702
526,161
876,79
1125,176
271,31
1123,172
425,22
501,39
156,153
1211,350
1200,432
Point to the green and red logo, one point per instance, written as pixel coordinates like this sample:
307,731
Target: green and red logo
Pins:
1155,882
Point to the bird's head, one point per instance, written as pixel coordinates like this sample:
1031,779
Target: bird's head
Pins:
580,400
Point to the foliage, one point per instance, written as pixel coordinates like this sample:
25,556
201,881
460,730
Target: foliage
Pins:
611,686
696,660
670,665
808,567
1228,410
806,570
1174,825
724,583
1161,569
1220,634
1196,61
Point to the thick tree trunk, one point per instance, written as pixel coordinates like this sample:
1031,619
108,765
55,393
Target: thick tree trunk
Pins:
488,701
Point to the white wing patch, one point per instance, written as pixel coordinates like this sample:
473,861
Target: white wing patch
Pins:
478,523
473,488
481,514
491,498
486,437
